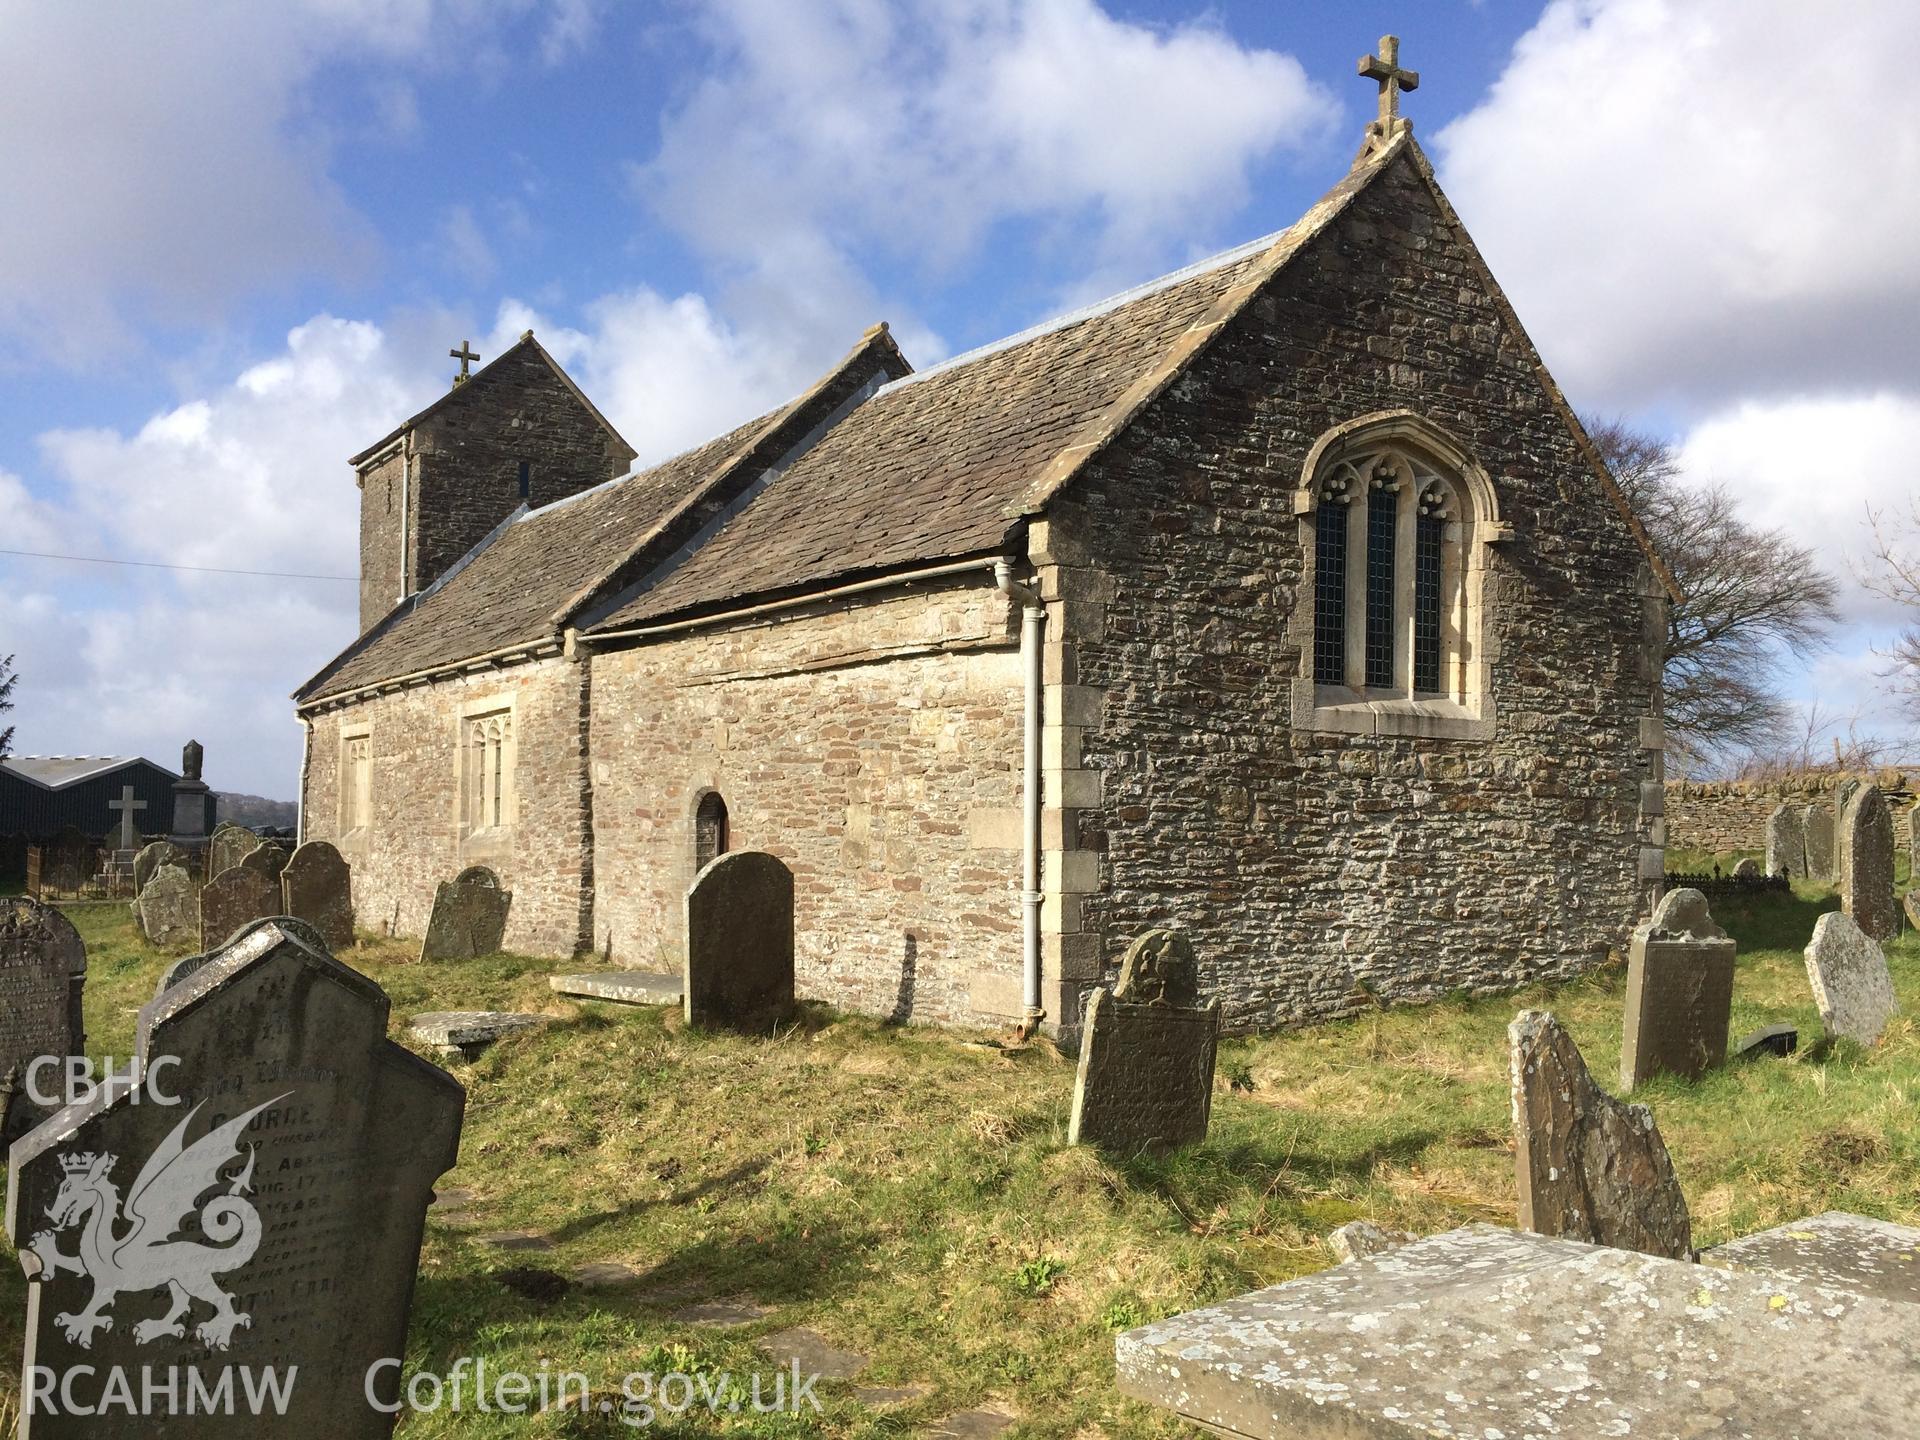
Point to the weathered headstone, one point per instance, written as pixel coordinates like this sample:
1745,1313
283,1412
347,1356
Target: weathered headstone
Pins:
1747,869
229,846
1780,1039
739,966
233,898
1145,1077
467,1032
621,987
317,886
190,799
1851,986
1866,885
1834,1250
269,857
1817,820
1913,842
169,906
469,917
1843,793
43,970
1911,904
151,857
1787,842
1590,1167
1679,992
188,964
273,1217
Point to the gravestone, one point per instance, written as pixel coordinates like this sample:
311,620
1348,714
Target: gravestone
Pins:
1590,1167
621,987
1866,885
1145,1076
169,906
273,1217
1911,904
1679,992
229,846
317,886
43,970
469,917
1835,1250
231,899
1848,973
151,858
269,858
1780,1039
126,835
1817,820
1913,842
1787,842
1747,869
188,964
190,799
68,863
466,1033
1843,793
739,967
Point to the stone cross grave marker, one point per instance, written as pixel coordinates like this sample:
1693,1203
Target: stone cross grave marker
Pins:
1590,1167
151,857
317,886
234,897
169,906
1787,842
43,970
1817,821
1145,1077
1866,884
129,834
1848,973
1679,992
272,1217
739,966
469,917
229,846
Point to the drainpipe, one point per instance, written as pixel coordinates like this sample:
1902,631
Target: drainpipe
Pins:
1033,618
306,765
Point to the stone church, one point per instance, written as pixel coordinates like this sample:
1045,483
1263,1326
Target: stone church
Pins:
1282,600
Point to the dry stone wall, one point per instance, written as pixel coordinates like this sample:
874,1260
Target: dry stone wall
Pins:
1723,815
892,790
415,838
1299,861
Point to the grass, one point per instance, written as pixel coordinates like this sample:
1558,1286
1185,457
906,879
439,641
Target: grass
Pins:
908,1194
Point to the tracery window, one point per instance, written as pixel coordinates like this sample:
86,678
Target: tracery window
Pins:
487,770
356,781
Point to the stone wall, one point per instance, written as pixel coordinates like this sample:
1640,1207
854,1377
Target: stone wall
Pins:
416,838
1301,861
381,580
874,747
1717,816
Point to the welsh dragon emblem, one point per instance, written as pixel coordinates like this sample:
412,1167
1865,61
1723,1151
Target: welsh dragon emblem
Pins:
131,1250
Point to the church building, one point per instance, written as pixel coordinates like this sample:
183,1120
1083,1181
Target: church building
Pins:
1282,600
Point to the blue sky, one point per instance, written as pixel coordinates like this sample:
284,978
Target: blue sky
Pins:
244,238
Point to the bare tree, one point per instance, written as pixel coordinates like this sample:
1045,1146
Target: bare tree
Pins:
1893,570
1752,596
7,679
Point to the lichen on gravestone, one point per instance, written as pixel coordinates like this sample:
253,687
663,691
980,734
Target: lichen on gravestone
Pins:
1851,985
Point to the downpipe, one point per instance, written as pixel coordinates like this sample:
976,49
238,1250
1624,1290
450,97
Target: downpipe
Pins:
1033,619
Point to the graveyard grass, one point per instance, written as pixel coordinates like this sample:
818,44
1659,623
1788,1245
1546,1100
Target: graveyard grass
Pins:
909,1195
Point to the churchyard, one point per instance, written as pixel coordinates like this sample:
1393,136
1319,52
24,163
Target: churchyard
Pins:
635,1196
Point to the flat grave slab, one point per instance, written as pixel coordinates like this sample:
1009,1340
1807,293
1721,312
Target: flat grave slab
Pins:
467,1032
623,987
1836,1250
1485,1331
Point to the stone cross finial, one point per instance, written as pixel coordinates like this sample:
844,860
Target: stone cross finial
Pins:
1385,68
127,805
466,357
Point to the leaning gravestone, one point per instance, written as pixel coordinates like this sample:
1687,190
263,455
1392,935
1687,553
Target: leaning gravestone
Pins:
1851,986
317,886
1817,820
188,964
231,899
229,846
269,857
1866,885
169,906
43,970
1590,1167
1679,992
1145,1078
272,1218
739,968
1787,842
469,917
151,857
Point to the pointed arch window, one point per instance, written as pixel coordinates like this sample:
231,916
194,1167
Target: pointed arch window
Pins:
1400,522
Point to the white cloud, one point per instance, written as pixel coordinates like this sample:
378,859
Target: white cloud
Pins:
1700,200
914,130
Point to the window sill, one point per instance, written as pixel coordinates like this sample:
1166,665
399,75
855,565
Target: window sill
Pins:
479,844
1338,710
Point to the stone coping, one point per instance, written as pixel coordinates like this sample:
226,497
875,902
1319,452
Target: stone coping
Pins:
1482,1331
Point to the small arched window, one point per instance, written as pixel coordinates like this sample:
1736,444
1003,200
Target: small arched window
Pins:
709,830
1399,519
